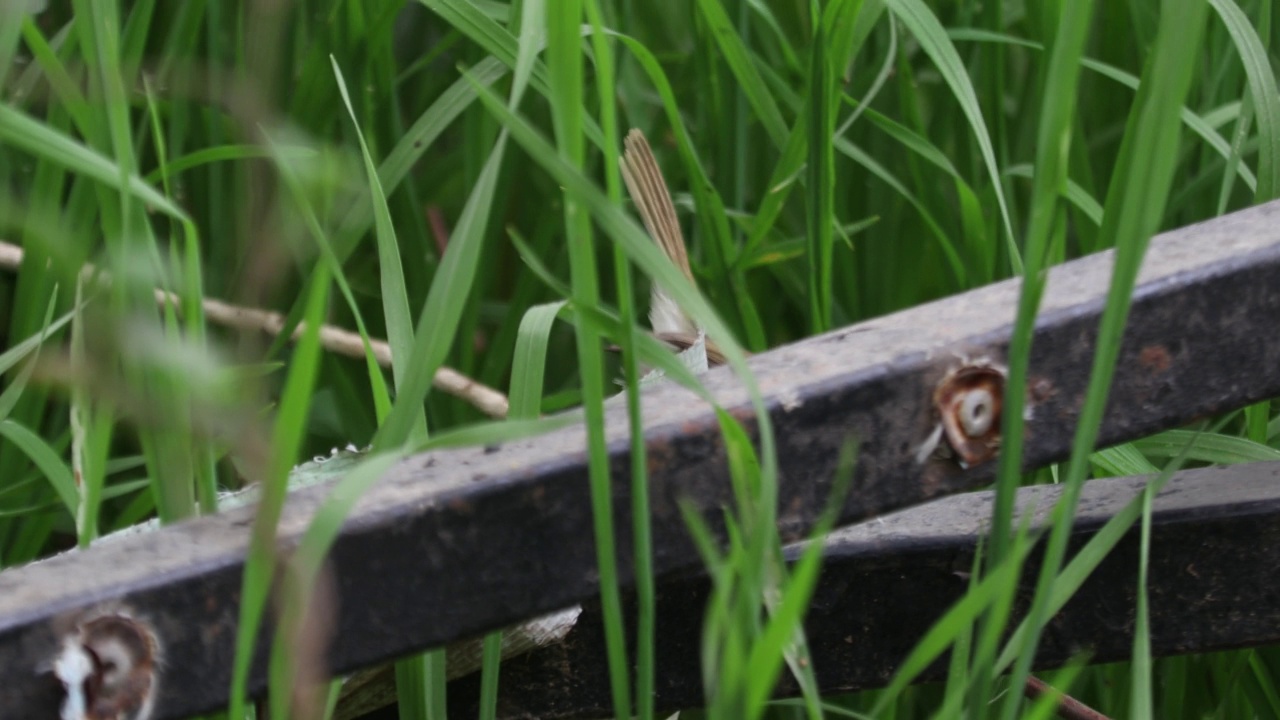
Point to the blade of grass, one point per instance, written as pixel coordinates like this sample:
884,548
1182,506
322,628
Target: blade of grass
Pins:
91,427
526,402
395,296
501,44
417,140
784,627
12,17
738,57
934,41
437,325
565,68
295,179
1206,447
945,243
1123,460
1072,193
186,265
952,625
1135,204
1140,699
641,532
1263,682
1083,563
444,306
820,114
67,89
529,363
9,398
25,132
1193,121
288,432
490,664
1263,94
48,460
1061,79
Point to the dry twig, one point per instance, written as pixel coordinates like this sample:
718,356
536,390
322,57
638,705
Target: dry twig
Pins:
334,339
1069,708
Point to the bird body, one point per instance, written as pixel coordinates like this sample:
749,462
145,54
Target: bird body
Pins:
648,190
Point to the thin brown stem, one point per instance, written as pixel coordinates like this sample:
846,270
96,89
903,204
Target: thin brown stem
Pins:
334,339
1069,708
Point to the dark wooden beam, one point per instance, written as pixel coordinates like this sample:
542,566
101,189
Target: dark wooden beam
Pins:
456,543
1215,545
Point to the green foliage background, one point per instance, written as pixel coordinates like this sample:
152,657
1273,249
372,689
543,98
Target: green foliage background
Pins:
833,161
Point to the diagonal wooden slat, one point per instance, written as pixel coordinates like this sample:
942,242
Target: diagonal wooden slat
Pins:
452,544
1215,535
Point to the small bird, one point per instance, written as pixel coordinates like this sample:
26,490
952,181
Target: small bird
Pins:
653,201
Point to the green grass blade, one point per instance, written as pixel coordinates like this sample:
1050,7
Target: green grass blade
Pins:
12,17
1206,447
565,68
295,181
395,296
1264,683
1263,93
1123,460
25,132
48,460
444,307
740,62
446,299
933,40
1244,126
500,43
1061,78
1134,208
1140,698
290,425
641,523
491,657
783,636
1193,121
952,625
9,398
420,137
1085,561
529,363
820,125
945,243
15,354
222,153
67,89
1073,193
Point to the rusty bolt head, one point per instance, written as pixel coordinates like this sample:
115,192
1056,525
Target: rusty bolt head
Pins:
969,401
107,666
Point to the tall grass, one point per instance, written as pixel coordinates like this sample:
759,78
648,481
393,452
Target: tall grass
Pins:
443,174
